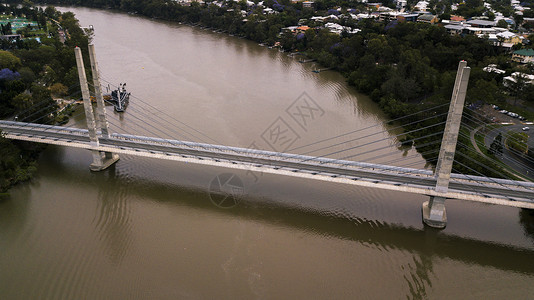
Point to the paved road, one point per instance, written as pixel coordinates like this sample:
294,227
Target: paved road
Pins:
524,166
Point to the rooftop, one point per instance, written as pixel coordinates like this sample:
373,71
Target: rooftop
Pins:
426,17
481,22
525,52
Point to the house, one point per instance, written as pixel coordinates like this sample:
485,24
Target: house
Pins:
421,6
529,21
388,16
479,30
457,19
513,78
308,4
318,19
430,19
407,17
375,5
401,3
509,38
493,69
523,56
302,29
481,23
338,29
289,29
454,29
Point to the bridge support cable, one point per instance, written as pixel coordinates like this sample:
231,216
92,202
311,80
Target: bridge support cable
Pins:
434,214
343,162
40,114
507,195
185,146
162,116
190,148
528,159
378,158
377,149
100,106
373,126
101,160
417,155
143,115
161,113
511,150
150,129
371,142
484,166
522,184
510,158
488,179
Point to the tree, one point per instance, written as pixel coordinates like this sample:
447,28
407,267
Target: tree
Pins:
6,29
496,145
502,23
58,90
8,60
22,101
517,141
517,85
518,19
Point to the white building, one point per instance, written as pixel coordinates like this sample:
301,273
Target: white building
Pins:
513,78
421,6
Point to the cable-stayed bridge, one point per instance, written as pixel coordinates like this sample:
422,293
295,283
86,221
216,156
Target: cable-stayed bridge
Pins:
439,185
464,187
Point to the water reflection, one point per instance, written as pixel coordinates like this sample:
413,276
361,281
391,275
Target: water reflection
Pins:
114,224
526,218
14,218
113,219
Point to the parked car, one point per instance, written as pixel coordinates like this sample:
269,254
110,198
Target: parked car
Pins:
526,128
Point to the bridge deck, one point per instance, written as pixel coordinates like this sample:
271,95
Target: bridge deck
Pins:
472,188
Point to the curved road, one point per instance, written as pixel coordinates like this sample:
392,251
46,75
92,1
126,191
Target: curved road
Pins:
525,166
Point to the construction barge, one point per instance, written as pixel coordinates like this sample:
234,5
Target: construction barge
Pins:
119,98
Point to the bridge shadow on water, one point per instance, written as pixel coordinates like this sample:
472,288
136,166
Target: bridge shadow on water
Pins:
112,222
426,243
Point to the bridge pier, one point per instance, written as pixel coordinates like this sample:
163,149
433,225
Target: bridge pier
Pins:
101,160
434,214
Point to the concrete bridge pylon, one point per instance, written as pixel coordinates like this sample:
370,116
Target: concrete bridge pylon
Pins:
434,213
101,160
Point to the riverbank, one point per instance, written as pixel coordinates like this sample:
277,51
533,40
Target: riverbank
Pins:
33,70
